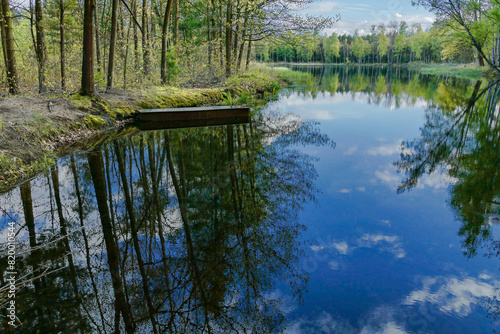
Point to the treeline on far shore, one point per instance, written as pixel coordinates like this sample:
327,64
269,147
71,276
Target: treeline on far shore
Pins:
464,32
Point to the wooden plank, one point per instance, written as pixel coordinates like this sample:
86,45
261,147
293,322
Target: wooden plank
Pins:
179,124
192,113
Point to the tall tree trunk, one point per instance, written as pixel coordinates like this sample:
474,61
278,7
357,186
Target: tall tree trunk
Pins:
249,51
181,194
3,36
112,44
34,259
135,238
97,42
229,36
126,58
88,49
176,25
244,35
136,37
236,30
481,60
12,81
96,167
221,33
85,239
145,37
64,228
209,35
164,45
29,218
62,44
41,53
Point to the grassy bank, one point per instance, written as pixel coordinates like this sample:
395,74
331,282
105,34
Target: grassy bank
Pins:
35,130
465,71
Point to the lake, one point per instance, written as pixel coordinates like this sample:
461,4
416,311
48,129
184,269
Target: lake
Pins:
362,200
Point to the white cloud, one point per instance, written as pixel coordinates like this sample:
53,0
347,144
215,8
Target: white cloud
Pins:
334,265
328,8
345,191
316,248
362,189
453,295
382,320
388,328
388,176
287,303
341,247
385,149
364,28
351,150
385,243
485,276
322,323
436,180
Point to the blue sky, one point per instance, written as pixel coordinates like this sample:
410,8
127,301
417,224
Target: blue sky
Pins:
361,14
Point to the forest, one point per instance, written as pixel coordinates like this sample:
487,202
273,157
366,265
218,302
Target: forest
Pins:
68,45
464,32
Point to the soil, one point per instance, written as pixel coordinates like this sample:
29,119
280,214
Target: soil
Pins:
34,128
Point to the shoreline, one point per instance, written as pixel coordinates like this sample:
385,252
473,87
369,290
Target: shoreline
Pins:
465,71
36,130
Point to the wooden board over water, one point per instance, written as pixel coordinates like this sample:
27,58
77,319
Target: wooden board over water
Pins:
193,123
192,113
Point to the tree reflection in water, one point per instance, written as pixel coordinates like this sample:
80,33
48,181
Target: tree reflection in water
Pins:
464,142
184,230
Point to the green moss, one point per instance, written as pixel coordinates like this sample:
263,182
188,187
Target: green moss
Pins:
114,110
75,126
172,97
94,122
81,102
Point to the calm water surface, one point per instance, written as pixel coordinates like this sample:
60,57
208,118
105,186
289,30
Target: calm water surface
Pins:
363,201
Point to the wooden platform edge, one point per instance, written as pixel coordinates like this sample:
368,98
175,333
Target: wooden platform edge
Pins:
191,113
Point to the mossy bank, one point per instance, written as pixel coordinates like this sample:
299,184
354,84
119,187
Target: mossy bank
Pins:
35,130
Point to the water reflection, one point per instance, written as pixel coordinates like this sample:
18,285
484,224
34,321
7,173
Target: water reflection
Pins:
391,87
193,230
431,287
185,230
465,143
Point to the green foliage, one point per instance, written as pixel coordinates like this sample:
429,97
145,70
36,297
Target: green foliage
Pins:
468,71
244,98
173,68
296,77
229,100
358,48
383,44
